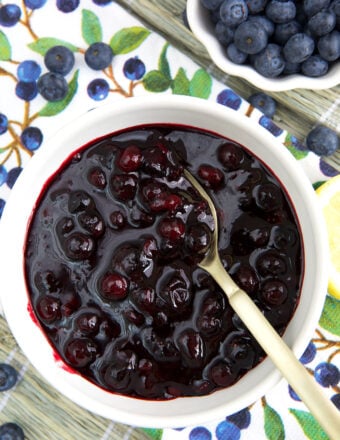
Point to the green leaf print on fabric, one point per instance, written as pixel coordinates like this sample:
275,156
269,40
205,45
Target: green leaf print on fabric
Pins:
273,425
156,81
91,27
53,108
5,48
180,84
128,39
42,45
289,143
330,316
163,63
200,84
310,426
154,434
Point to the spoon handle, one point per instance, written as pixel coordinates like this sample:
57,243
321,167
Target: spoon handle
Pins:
284,359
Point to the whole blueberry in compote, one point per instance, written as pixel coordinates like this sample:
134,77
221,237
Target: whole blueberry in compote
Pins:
98,56
26,90
28,71
134,68
9,15
3,123
35,4
52,86
11,431
98,89
59,59
79,352
129,159
327,374
67,5
114,287
8,377
32,138
211,176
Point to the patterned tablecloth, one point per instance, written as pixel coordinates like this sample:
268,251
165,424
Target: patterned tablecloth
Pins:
42,412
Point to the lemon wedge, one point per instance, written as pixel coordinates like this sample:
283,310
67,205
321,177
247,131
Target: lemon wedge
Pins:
329,196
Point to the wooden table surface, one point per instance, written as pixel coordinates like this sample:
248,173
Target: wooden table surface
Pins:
298,110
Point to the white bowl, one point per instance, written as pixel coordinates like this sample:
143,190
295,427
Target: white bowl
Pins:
202,27
193,112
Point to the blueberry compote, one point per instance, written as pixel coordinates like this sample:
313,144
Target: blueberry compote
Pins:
112,252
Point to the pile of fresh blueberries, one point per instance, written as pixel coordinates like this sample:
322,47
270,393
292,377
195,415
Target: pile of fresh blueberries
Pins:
279,37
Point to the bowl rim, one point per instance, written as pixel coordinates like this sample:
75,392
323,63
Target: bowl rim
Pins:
203,30
28,334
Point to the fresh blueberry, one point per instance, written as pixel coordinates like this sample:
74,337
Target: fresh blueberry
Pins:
298,48
12,176
233,12
322,23
52,86
329,46
281,11
327,374
98,89
9,15
28,71
270,62
32,138
59,59
311,7
134,68
283,31
235,55
335,7
263,102
26,90
98,56
322,140
293,394
67,5
227,431
250,37
291,68
8,377
269,125
241,419
3,175
314,66
264,22
309,354
256,6
3,123
336,400
2,206
35,4
11,431
224,34
229,98
211,4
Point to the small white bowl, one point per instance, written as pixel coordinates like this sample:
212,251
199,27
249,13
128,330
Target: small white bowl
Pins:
103,121
202,27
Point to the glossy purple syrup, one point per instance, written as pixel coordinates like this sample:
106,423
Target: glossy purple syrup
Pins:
112,252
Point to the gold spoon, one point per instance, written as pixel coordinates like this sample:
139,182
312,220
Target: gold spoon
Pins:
284,359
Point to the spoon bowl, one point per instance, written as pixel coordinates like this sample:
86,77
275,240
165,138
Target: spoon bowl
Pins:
284,359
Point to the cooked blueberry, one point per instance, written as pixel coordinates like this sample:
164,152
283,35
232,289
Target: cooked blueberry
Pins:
271,263
230,155
9,15
98,56
322,140
172,229
221,374
114,287
240,350
263,102
281,11
26,90
79,246
97,177
129,159
192,347
211,176
32,138
198,238
268,196
270,62
79,201
52,86
117,219
11,431
88,323
176,292
118,374
49,308
8,377
80,352
233,12
329,46
28,71
98,89
124,186
250,37
298,48
314,66
92,222
67,5
59,59
154,161
246,278
274,292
